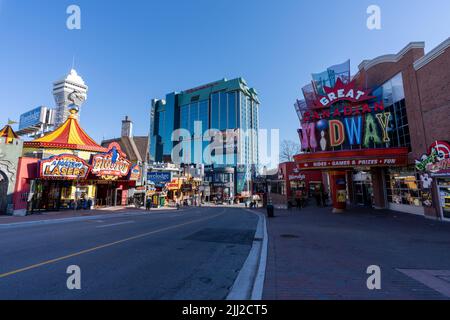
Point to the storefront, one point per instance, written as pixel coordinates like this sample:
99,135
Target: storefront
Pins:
159,193
66,169
61,184
367,132
355,176
112,169
443,185
291,186
222,183
434,168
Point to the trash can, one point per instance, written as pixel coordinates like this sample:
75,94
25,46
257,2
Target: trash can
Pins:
270,210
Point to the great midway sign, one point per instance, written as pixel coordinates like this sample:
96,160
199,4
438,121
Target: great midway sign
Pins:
345,116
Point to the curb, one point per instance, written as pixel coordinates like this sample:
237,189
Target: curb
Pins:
249,283
73,219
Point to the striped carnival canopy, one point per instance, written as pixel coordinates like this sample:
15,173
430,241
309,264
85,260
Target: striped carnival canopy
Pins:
8,134
68,136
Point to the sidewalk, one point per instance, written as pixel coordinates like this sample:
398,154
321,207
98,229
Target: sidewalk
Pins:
45,216
314,254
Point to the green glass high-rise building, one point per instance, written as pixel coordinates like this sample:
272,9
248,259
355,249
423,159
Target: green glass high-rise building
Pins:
226,106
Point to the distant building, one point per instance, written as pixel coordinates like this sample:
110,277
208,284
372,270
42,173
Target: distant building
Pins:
69,90
137,151
222,105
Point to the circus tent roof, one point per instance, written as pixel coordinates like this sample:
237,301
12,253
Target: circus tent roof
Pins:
8,133
68,136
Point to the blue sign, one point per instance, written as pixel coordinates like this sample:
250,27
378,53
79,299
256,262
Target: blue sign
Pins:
30,118
159,178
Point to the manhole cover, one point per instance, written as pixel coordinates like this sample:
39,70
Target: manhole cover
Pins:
289,236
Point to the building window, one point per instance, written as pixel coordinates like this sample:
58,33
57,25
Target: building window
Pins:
403,187
215,111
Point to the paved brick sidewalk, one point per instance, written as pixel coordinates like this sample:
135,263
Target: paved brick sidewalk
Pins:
314,254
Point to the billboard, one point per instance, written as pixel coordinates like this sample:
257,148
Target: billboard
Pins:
159,178
33,118
35,122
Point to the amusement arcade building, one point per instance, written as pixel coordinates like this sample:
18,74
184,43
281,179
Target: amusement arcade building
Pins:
381,136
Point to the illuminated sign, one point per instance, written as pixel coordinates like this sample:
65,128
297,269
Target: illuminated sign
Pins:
332,124
111,165
353,159
352,163
298,177
135,173
437,159
66,166
175,184
342,92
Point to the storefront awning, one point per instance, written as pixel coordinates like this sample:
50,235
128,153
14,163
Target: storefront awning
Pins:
390,157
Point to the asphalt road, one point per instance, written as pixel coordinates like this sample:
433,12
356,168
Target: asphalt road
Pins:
194,253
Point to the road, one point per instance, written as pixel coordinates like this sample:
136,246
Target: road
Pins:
193,253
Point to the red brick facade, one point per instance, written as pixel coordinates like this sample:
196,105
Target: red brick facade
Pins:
427,91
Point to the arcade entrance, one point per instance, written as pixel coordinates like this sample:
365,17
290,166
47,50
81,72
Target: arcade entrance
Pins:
362,189
3,193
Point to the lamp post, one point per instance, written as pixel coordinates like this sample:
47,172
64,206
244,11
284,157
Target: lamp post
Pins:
270,208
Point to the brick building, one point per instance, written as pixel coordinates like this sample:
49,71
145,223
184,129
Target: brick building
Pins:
290,184
388,146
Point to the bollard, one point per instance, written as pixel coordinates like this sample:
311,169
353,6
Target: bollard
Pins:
270,210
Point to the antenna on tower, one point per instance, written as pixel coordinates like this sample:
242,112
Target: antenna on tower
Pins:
73,62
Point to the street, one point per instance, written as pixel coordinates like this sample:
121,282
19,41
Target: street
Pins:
193,253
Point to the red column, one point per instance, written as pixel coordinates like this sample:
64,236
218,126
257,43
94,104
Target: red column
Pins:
338,186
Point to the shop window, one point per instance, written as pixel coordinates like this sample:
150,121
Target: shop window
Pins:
403,187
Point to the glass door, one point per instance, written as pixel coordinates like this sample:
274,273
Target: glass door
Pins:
444,197
362,189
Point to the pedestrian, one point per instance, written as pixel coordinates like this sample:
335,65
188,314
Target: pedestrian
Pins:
298,201
148,204
318,196
323,196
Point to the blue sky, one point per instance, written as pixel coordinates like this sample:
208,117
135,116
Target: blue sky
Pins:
129,52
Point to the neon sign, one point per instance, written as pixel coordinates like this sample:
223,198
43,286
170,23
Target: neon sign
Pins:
357,123
342,92
437,159
66,166
111,165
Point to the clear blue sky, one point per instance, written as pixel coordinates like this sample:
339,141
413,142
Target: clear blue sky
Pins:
129,52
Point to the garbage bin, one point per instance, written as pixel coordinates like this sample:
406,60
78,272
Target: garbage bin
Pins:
270,210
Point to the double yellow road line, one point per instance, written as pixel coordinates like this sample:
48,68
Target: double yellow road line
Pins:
139,236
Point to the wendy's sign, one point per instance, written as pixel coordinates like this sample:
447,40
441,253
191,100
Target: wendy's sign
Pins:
111,165
345,116
64,167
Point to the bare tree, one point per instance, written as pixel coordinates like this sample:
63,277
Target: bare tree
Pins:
288,149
